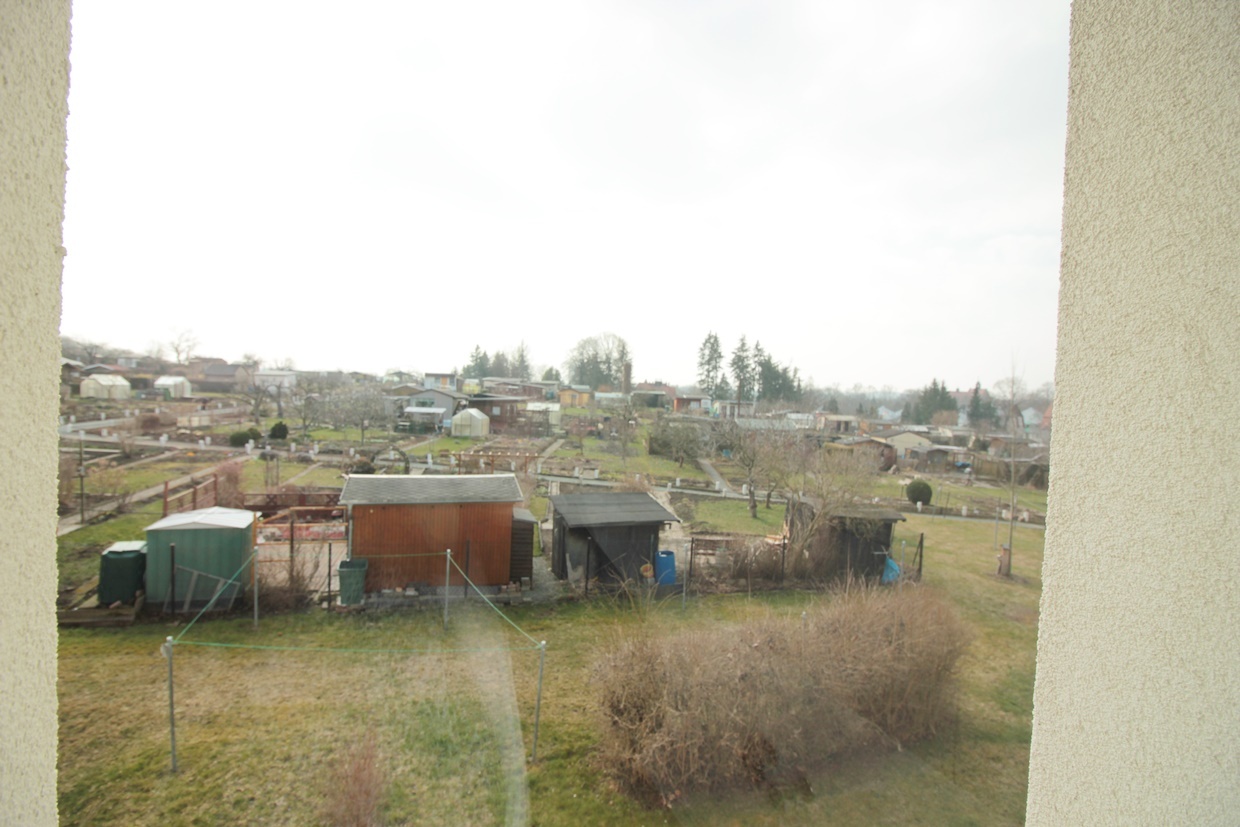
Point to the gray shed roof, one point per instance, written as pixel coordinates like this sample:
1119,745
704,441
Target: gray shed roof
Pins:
616,508
215,517
399,489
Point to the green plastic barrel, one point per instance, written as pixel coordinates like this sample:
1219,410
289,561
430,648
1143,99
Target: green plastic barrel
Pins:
352,582
122,569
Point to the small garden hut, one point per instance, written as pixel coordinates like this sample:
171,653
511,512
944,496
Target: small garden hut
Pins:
471,422
213,547
401,525
606,535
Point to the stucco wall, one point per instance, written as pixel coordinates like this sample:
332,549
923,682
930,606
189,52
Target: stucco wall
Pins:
34,77
1137,699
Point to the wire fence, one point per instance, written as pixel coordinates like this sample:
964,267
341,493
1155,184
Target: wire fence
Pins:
292,554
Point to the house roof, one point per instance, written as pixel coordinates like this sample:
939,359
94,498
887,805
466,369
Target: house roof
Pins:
220,370
448,392
612,508
399,489
426,411
216,517
767,424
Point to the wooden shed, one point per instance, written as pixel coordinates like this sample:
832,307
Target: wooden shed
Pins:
847,541
401,525
606,535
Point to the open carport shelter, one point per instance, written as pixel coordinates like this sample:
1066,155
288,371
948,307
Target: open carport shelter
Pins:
606,535
401,525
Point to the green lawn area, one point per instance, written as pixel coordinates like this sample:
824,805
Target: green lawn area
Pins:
149,474
261,733
77,553
613,466
712,514
954,494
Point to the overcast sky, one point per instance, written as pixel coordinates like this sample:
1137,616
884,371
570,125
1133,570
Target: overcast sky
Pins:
872,190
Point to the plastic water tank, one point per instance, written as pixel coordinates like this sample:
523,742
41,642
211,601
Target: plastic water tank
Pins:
665,568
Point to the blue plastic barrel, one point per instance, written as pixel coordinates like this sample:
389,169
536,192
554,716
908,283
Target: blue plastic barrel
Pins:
665,568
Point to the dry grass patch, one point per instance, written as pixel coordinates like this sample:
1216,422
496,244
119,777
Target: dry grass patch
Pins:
769,701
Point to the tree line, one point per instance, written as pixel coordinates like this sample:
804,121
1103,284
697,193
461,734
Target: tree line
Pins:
748,375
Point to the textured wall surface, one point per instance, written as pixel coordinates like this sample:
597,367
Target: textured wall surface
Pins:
34,77
1137,699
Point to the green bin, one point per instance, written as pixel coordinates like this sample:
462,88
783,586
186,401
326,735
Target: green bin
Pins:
352,581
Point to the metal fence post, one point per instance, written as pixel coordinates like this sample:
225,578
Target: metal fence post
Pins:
447,571
542,656
172,720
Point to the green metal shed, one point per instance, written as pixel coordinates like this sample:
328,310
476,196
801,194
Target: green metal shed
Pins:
213,553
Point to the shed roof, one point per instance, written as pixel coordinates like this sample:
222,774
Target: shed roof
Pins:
612,508
400,489
216,517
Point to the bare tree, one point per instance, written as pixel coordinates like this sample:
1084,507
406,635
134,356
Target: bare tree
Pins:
833,482
183,345
359,407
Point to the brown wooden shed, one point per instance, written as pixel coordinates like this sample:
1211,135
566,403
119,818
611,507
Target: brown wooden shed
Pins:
396,521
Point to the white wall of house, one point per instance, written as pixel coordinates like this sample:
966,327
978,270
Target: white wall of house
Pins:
34,62
1137,699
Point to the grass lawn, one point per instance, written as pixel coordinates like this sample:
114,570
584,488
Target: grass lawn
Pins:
77,553
262,733
955,494
732,516
149,474
613,466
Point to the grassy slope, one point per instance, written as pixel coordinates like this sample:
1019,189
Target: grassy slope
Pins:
259,731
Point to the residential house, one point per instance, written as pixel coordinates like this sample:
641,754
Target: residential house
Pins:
440,381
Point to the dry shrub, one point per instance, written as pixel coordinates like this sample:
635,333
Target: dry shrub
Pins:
763,703
228,484
289,588
356,786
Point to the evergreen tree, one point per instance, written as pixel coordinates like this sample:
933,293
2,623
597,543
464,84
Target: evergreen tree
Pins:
521,363
981,411
479,364
710,365
551,375
742,371
933,398
833,407
500,365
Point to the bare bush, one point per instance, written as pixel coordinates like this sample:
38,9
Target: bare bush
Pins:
766,702
67,482
107,479
228,484
356,786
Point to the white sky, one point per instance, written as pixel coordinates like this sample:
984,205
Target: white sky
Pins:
872,190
